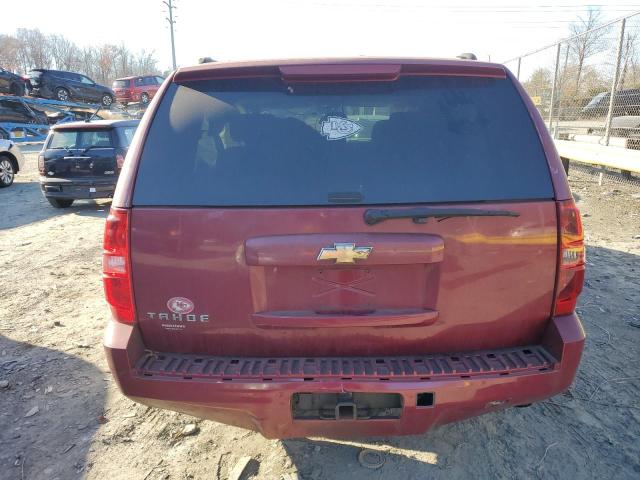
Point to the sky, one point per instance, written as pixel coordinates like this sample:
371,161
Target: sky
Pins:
254,29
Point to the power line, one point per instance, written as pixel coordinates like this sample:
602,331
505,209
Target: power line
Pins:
498,9
567,39
577,7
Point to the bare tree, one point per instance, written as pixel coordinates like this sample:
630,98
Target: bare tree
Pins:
629,59
34,48
539,83
28,49
64,53
10,52
123,65
145,62
587,42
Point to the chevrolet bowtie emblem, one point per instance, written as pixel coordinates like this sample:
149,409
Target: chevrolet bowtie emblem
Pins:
344,253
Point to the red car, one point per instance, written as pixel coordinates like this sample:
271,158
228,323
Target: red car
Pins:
343,248
136,89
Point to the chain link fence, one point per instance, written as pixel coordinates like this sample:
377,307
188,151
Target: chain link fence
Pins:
587,87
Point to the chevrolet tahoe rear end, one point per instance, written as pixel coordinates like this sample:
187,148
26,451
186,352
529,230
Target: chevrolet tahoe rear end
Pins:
342,247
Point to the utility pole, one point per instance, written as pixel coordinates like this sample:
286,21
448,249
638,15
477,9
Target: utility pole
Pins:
172,22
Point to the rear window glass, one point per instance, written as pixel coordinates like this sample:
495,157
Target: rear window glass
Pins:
256,142
121,84
126,133
595,100
80,139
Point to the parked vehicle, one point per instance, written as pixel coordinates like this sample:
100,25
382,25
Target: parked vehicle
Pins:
75,114
16,110
136,89
271,264
625,102
82,160
11,162
68,87
11,83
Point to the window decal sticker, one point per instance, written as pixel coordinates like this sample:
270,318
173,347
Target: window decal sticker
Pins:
336,128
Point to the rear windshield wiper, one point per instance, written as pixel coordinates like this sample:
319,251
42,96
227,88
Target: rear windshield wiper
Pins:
91,147
421,214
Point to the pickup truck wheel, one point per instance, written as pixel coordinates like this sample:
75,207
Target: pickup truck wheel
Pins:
60,202
7,171
107,100
62,94
144,98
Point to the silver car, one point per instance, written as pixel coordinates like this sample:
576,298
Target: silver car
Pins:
11,162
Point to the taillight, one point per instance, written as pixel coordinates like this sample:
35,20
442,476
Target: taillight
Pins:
41,164
120,160
116,270
572,258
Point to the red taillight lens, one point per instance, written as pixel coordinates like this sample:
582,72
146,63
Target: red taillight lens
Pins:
120,160
116,271
572,258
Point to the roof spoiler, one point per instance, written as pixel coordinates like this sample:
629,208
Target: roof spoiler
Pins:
338,70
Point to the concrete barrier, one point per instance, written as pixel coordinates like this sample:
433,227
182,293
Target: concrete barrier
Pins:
613,157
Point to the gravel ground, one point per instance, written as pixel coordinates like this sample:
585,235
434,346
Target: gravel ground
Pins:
62,417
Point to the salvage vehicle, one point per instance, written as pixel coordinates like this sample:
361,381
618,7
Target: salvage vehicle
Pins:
11,162
82,160
11,83
17,110
625,102
271,264
139,89
68,87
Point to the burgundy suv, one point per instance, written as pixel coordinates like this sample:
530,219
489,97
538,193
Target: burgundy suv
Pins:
343,247
139,89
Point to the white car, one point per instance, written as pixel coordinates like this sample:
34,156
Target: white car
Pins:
11,162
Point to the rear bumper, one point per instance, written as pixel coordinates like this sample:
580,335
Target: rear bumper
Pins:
78,189
264,404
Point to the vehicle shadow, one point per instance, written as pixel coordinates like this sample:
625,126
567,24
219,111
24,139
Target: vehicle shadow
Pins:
52,406
23,203
585,432
441,453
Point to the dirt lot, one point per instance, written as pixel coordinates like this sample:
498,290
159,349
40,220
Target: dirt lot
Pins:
61,416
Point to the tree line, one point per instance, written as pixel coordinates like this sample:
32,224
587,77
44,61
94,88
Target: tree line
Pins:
27,49
587,62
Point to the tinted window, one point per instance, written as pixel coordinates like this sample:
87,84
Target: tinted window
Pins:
126,135
67,75
80,139
121,84
159,80
14,106
419,139
595,100
139,81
